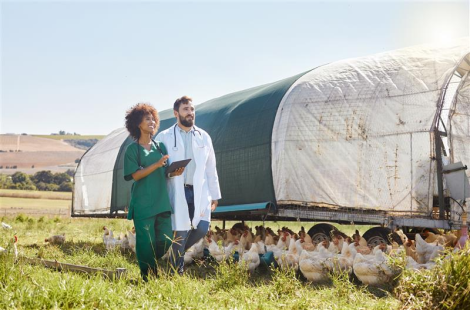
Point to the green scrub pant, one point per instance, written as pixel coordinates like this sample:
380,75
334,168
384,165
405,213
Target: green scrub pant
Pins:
153,238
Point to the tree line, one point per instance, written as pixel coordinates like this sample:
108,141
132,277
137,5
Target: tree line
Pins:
41,181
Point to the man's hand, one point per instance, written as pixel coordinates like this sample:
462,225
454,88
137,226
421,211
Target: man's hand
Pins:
214,205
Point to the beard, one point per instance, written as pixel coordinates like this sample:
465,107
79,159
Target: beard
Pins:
186,123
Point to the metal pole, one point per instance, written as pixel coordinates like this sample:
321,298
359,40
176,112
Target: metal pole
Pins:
440,186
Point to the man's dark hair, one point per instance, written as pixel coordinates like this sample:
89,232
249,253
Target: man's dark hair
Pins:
135,115
180,101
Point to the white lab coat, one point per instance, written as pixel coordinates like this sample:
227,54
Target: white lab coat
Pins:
205,183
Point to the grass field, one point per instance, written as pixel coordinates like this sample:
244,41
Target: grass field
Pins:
205,285
70,137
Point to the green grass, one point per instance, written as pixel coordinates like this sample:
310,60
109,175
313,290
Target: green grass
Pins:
70,137
204,286
14,193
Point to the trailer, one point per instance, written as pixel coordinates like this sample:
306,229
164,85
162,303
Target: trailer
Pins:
381,140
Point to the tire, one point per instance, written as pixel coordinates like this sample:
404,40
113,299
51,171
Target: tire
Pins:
421,230
378,235
321,232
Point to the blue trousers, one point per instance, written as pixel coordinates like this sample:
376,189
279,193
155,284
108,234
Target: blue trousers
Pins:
184,239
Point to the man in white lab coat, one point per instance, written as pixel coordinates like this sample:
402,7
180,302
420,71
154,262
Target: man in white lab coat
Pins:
194,194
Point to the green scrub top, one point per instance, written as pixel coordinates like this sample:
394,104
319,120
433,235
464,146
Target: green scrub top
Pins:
149,195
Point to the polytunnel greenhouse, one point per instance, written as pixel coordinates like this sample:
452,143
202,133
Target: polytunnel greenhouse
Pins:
358,134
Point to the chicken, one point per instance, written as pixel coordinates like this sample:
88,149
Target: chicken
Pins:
290,258
131,238
344,261
361,244
108,239
410,249
194,252
245,241
261,247
372,269
424,250
430,237
124,241
315,265
278,248
15,248
306,242
57,239
250,259
269,239
6,226
336,244
219,252
451,239
231,236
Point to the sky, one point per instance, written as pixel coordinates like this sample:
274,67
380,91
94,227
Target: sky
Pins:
78,66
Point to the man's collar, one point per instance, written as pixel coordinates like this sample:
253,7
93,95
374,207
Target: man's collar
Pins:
181,129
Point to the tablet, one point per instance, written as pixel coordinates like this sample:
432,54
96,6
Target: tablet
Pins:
177,164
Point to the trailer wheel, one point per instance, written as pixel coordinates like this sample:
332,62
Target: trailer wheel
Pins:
321,232
377,235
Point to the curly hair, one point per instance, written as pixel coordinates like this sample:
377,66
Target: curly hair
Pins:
135,115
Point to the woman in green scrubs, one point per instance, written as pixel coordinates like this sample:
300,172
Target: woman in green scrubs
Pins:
150,208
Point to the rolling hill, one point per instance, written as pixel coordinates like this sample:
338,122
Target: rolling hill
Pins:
34,153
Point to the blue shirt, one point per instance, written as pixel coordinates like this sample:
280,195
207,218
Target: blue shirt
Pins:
187,138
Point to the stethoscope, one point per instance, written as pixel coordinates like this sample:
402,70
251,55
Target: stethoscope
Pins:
175,148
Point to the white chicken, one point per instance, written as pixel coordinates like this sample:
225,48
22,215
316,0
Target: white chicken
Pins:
307,243
250,259
290,258
194,252
108,239
131,238
424,250
372,269
261,247
336,244
15,248
315,265
277,248
6,226
344,261
56,239
124,241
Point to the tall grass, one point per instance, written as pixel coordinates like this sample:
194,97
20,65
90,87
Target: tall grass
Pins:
447,286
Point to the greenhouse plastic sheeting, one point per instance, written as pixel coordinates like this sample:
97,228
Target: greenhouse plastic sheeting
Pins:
460,120
94,176
356,133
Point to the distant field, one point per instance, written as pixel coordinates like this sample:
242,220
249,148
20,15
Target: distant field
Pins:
70,137
14,202
13,206
12,193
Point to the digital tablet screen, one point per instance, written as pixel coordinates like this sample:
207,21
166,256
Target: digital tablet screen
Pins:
177,164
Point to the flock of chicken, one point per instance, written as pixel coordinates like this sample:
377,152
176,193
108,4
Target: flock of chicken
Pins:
317,261
297,251
124,241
